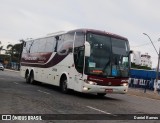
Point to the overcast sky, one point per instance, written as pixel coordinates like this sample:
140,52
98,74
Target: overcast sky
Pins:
21,19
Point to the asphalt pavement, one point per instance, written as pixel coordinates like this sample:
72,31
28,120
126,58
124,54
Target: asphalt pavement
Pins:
131,91
18,97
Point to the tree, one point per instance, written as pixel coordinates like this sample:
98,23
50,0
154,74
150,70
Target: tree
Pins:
15,54
1,48
133,65
14,51
9,49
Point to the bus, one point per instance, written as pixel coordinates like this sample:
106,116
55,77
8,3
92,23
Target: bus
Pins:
83,60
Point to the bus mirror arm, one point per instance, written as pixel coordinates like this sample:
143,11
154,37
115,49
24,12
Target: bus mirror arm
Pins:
130,52
70,50
87,49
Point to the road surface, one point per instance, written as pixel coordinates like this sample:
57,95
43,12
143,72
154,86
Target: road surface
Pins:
18,97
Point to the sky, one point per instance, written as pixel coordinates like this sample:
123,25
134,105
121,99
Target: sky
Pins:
22,19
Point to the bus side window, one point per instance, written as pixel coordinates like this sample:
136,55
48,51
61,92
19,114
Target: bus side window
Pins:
65,43
42,43
50,44
79,39
79,51
34,46
27,46
59,43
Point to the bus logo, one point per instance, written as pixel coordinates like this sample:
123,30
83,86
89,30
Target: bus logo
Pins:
6,117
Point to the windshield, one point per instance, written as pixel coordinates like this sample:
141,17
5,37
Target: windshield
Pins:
109,56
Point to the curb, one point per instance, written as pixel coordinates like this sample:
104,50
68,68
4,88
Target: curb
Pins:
12,70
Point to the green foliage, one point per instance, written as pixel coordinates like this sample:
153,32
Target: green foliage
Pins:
14,51
1,48
133,65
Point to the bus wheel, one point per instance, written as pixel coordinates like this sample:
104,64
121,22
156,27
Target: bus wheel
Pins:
101,94
63,86
27,78
32,78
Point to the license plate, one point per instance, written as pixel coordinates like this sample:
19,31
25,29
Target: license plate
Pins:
109,90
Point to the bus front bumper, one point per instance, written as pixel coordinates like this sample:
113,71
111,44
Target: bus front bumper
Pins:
87,88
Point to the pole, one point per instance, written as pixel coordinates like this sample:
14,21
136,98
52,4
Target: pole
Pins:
157,74
151,42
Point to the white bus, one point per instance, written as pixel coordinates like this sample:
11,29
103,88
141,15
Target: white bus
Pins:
84,60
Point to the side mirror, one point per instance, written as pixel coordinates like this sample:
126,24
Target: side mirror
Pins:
87,49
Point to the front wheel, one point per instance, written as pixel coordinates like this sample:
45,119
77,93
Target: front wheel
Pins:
32,81
63,86
101,94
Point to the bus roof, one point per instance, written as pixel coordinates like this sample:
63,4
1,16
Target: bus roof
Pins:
82,30
100,32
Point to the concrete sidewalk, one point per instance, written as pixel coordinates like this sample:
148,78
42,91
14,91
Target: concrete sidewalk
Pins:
140,92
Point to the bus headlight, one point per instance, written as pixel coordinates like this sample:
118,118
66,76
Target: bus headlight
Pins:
92,83
85,88
124,84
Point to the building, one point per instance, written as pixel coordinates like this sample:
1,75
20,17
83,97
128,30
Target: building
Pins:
146,60
137,57
142,59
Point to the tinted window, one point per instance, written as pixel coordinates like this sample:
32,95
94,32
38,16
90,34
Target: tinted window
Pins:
50,44
119,46
99,60
42,44
79,39
27,46
79,51
65,43
60,41
69,36
35,46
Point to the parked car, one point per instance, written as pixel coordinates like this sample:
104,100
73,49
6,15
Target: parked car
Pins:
1,67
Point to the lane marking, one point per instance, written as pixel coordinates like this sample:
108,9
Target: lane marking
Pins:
100,110
16,83
43,92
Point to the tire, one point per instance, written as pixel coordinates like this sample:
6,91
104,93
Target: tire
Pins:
32,81
63,86
101,94
27,78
